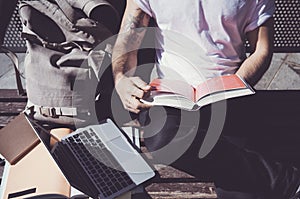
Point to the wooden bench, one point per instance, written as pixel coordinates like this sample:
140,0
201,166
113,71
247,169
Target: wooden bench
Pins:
287,34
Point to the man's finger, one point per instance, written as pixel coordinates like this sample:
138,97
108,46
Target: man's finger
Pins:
133,110
144,106
135,105
137,92
141,84
134,102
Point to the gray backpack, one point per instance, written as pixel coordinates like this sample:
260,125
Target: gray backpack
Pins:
66,57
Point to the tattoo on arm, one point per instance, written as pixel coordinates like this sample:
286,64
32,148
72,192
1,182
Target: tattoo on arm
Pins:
130,38
138,20
136,26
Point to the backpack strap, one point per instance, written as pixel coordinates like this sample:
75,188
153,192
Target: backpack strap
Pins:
64,46
68,10
13,57
50,111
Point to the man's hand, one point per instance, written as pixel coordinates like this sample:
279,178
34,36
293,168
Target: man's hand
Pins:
131,90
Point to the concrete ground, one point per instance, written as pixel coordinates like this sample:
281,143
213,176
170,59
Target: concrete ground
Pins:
284,73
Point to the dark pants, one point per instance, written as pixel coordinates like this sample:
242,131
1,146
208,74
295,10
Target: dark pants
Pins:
257,154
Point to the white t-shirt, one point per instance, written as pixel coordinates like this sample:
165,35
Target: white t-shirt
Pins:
199,39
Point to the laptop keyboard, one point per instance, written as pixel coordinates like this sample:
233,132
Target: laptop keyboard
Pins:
101,166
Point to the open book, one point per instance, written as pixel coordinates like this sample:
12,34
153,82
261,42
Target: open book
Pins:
180,94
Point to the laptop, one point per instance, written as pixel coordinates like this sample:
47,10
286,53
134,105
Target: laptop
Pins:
99,160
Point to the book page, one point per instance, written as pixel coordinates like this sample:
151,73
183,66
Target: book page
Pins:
173,86
171,100
218,84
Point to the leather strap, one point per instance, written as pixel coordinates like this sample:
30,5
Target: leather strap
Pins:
51,111
56,111
68,10
13,57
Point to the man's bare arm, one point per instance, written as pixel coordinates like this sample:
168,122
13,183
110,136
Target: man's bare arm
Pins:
124,57
261,42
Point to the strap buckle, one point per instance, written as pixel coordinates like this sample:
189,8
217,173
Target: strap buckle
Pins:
48,112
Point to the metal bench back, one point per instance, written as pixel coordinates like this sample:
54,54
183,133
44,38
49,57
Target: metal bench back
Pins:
6,11
287,28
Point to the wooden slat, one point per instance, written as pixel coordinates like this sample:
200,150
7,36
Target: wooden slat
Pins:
173,183
11,104
11,108
11,94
